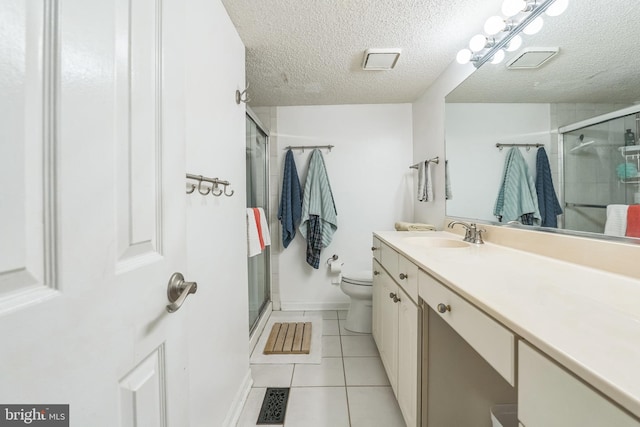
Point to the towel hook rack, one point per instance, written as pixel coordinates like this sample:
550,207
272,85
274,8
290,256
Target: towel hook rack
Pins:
527,146
214,189
311,147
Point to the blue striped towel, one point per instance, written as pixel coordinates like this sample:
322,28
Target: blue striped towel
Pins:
318,200
517,198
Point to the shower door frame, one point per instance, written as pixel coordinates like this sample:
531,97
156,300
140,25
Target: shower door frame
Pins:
250,115
634,109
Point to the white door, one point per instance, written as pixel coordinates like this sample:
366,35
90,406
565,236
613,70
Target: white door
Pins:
92,209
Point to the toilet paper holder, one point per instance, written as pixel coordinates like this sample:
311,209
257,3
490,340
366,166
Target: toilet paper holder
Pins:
333,258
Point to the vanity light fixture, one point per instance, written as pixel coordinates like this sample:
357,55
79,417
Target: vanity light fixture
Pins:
502,34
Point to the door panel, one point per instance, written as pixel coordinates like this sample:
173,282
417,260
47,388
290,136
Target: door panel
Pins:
27,251
139,134
96,148
142,393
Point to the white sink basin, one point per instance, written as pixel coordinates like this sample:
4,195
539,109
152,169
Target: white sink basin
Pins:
436,242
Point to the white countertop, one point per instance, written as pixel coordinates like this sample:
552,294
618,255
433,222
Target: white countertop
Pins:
588,320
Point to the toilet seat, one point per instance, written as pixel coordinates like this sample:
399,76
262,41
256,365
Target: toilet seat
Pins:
360,278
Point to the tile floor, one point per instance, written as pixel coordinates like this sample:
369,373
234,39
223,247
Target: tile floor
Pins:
349,388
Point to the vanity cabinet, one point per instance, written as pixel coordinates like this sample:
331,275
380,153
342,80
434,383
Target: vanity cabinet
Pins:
549,396
466,346
491,340
396,328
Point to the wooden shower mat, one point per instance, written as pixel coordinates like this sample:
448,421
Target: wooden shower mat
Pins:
289,338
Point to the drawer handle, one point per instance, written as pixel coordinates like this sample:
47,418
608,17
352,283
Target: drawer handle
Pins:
443,308
403,276
376,272
395,298
373,248
392,295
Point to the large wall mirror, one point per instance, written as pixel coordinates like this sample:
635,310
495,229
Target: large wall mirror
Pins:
580,106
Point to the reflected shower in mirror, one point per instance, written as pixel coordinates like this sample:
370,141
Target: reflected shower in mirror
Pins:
595,72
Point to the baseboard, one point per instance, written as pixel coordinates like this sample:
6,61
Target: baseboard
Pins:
313,306
238,401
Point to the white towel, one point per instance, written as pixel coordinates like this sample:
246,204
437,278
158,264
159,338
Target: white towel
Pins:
428,182
616,224
253,239
266,237
413,226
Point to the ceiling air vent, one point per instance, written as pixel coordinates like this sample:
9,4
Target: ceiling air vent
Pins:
380,59
532,57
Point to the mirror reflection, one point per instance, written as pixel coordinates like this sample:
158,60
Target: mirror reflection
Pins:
581,107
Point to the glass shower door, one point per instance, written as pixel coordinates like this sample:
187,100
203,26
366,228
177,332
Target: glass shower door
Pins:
600,169
258,197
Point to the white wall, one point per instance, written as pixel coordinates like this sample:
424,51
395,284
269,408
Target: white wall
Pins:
371,182
475,164
216,227
428,137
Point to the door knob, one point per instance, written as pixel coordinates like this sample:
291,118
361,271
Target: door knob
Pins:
178,290
403,276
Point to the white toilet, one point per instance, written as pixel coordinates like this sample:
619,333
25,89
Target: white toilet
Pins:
358,286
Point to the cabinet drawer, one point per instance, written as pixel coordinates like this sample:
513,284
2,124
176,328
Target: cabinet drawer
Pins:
375,248
492,341
549,396
389,259
407,277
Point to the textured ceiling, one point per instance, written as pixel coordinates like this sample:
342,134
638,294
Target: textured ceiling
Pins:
309,52
599,60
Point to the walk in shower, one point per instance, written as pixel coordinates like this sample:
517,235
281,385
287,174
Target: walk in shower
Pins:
258,197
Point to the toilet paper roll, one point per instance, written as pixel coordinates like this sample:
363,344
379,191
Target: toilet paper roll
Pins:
336,280
336,267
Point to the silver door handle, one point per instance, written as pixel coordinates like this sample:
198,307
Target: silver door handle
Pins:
178,290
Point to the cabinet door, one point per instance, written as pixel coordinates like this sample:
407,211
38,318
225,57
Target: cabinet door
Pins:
408,359
388,345
378,292
548,396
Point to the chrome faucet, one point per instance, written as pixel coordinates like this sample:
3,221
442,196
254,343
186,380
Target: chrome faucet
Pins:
472,233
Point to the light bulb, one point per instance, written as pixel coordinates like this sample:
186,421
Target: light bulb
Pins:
534,26
464,56
514,44
498,57
513,7
477,43
557,7
494,25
